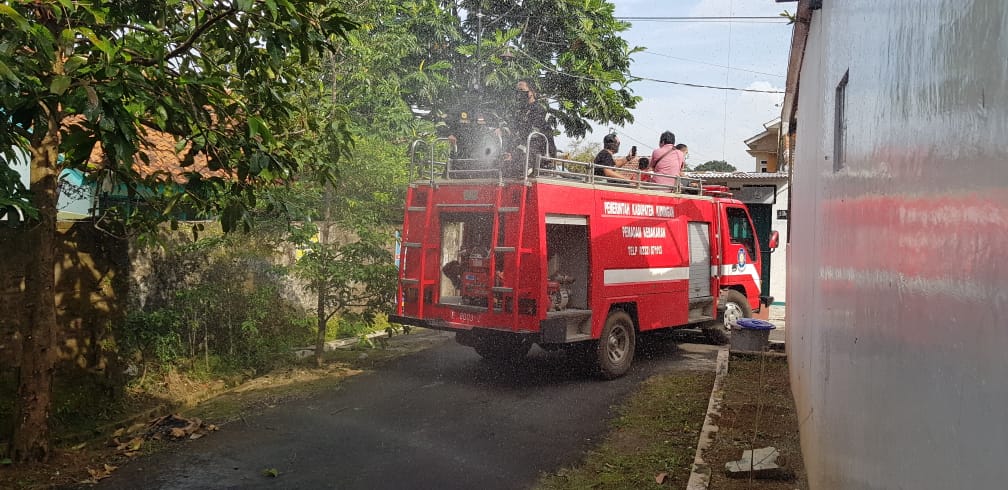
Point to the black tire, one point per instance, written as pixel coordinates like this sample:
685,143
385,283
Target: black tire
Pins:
502,347
615,349
732,305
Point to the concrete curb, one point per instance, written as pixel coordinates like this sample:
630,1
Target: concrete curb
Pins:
701,471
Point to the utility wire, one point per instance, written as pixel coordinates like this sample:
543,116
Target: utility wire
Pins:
698,85
714,21
727,75
685,84
703,17
712,64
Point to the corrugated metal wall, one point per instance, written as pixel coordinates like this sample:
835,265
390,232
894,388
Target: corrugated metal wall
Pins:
700,260
898,265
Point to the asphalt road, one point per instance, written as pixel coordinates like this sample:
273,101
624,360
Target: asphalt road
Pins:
439,419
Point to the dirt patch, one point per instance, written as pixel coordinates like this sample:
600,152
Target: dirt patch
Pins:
652,441
758,411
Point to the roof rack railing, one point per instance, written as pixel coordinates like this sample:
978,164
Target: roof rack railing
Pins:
585,172
424,165
536,166
533,170
414,166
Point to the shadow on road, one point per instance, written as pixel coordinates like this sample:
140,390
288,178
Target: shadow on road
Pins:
543,368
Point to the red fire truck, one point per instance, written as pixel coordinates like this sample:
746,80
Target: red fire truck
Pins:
553,254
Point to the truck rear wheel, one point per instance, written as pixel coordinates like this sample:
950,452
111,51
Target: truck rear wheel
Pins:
732,306
503,347
615,350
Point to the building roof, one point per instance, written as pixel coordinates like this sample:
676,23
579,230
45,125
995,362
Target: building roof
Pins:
738,175
162,161
770,128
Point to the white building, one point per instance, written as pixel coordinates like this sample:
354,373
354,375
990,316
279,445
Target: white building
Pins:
897,114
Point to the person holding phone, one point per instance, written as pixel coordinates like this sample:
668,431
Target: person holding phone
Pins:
606,163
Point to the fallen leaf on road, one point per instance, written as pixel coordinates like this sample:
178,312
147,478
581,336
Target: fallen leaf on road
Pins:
131,445
101,473
177,432
135,428
271,472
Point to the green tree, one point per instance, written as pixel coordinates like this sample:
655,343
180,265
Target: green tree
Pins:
73,74
715,166
471,52
351,278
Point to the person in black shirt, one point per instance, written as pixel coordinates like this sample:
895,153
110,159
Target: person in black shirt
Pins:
606,162
529,117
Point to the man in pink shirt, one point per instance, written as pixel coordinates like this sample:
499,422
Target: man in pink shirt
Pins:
667,160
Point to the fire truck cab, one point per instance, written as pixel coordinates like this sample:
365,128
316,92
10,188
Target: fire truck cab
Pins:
560,257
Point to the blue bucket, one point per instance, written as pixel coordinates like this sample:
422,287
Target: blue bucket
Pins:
754,324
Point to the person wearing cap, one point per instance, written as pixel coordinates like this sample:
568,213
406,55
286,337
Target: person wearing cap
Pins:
606,162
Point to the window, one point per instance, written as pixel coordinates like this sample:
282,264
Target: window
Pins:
840,125
740,230
464,236
763,166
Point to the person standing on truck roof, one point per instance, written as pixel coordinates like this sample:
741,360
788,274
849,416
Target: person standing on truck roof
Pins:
606,163
667,160
531,118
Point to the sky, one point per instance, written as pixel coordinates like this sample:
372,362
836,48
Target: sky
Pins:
713,123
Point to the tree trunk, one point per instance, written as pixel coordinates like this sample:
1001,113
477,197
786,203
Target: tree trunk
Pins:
320,339
327,197
38,341
322,292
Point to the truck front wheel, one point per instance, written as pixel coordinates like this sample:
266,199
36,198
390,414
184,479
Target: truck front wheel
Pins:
732,306
615,350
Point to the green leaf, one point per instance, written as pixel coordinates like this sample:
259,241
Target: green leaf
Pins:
8,11
6,72
75,61
259,129
99,13
271,472
6,461
102,44
59,84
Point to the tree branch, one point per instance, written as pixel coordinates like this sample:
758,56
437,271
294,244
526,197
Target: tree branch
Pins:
192,37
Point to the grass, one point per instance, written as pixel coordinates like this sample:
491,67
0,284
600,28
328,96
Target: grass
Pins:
758,411
655,433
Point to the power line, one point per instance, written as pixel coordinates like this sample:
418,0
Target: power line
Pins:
713,64
715,21
703,17
697,85
685,84
645,145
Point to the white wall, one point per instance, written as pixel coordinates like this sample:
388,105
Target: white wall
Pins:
778,262
898,279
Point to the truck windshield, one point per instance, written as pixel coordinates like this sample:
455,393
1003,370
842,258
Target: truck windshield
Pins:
741,231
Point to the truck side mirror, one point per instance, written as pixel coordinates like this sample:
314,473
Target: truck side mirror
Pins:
774,240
